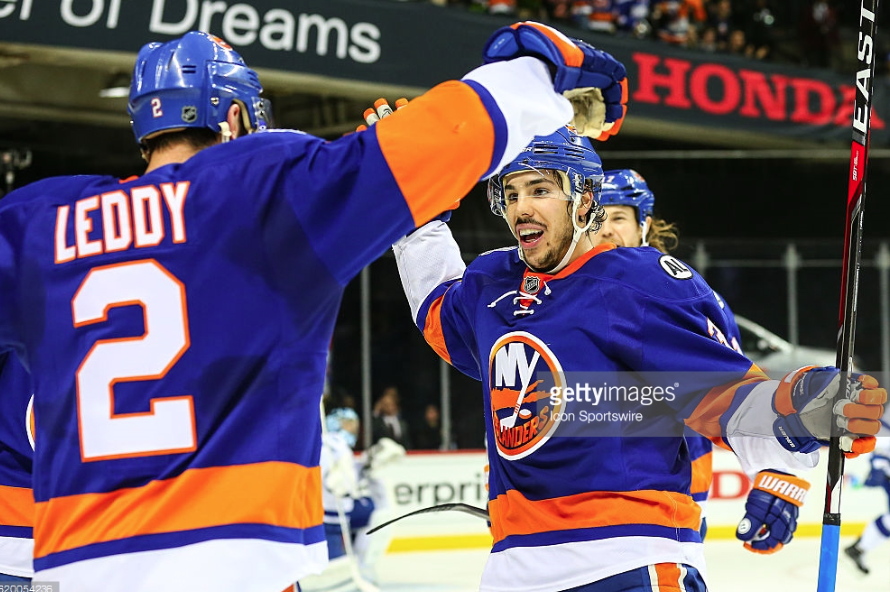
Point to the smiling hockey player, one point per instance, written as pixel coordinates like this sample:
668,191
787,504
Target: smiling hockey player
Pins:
571,509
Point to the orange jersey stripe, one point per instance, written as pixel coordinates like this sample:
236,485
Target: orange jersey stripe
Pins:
702,473
513,514
16,506
274,493
432,329
705,419
433,120
668,575
571,53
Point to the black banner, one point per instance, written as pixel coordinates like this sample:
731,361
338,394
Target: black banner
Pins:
419,45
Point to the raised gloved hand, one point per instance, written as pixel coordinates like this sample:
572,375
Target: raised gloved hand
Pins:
805,402
380,110
593,80
879,475
771,511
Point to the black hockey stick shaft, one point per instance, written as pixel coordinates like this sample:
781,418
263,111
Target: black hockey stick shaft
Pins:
456,507
865,53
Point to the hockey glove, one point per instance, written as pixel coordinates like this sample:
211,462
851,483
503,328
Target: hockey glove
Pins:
593,80
879,475
771,511
807,408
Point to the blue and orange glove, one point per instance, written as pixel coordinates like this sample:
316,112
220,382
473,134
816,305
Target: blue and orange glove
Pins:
807,408
771,511
593,80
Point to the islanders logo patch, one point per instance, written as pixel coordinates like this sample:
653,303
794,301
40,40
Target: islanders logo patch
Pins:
521,371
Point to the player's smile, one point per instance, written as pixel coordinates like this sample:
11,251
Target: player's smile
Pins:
530,235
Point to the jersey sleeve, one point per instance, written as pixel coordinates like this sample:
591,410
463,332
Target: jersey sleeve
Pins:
433,278
357,195
724,396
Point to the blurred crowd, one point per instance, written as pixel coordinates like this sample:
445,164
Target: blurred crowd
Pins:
806,32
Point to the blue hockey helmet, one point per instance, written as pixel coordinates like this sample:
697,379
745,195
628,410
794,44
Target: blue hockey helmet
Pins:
626,187
343,421
191,82
563,151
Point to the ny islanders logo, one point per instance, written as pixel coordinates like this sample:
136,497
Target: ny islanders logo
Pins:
521,371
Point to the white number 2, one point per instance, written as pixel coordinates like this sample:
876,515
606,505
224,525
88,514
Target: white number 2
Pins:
169,427
156,108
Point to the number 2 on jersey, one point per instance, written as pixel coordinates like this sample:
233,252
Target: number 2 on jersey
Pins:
169,426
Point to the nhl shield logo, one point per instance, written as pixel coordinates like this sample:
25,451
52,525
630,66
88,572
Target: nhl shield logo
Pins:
531,284
189,114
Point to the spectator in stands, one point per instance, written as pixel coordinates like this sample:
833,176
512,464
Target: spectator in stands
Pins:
708,40
721,21
819,35
387,421
428,434
738,45
632,16
759,31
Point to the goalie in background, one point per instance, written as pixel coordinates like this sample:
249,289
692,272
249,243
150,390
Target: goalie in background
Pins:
349,486
878,530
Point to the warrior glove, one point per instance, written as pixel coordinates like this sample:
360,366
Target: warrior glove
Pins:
809,406
593,80
771,511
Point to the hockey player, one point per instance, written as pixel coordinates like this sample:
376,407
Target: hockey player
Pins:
878,530
571,510
176,324
351,495
628,204
16,459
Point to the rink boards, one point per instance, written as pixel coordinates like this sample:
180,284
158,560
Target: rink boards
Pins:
421,479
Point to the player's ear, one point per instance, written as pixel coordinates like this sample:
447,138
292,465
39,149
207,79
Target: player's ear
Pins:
584,208
233,118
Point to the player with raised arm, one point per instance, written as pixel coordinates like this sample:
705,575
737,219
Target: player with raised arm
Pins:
176,325
770,520
16,468
606,504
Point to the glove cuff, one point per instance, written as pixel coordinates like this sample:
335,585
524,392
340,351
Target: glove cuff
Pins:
789,432
782,485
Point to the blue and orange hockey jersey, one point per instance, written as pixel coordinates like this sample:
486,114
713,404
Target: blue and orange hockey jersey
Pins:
16,462
582,490
176,327
701,448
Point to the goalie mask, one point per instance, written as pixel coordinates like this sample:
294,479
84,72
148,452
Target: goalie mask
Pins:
579,169
626,187
190,83
343,421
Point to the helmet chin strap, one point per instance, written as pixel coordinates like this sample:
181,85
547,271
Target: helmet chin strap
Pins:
225,131
644,238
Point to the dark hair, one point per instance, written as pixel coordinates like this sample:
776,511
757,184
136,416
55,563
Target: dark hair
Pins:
197,138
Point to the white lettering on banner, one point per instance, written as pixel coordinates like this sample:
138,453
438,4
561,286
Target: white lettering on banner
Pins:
241,26
158,25
97,7
24,14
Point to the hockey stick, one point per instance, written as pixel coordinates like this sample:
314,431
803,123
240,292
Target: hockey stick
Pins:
456,506
831,518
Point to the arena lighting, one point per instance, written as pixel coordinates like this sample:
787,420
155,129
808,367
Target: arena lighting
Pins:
118,86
